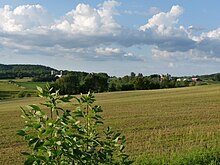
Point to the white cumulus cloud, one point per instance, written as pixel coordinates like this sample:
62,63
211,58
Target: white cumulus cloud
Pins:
22,18
87,20
115,53
163,20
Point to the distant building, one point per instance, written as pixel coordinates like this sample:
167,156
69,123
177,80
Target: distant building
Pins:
195,79
186,80
57,73
52,72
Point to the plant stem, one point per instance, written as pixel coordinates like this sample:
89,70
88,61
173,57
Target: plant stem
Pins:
51,114
87,123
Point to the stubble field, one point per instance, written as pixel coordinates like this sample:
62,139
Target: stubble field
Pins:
157,123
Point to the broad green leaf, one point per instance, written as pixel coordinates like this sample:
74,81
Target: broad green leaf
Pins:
21,132
25,153
29,161
37,125
32,141
38,144
40,89
35,107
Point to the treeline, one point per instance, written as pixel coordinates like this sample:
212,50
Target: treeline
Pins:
73,82
37,72
81,82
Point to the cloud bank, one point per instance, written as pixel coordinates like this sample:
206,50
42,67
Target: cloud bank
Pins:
94,34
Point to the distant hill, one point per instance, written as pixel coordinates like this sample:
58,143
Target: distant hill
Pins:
23,70
210,77
43,73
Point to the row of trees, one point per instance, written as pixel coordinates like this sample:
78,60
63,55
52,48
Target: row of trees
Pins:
140,82
81,82
73,82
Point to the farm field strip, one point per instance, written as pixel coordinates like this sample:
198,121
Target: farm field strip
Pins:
6,86
18,88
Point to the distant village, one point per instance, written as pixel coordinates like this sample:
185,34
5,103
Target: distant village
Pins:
169,77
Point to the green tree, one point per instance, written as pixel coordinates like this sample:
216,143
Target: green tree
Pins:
68,84
217,77
132,76
112,86
96,82
139,82
154,83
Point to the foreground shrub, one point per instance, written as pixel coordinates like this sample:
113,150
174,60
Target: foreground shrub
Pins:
70,136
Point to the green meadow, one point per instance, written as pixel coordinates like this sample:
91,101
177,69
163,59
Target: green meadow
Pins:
30,85
158,124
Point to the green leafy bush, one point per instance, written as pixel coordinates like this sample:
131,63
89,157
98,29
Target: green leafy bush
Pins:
69,136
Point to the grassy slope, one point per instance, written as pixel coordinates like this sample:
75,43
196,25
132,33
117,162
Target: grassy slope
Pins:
157,122
6,86
9,90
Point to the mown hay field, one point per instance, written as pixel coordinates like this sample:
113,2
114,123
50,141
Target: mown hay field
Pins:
156,122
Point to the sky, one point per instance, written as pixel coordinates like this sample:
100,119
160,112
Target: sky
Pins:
118,37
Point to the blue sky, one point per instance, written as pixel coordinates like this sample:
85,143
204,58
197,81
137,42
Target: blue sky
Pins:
113,36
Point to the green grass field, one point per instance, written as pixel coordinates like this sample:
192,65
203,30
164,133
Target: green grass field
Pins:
31,85
157,123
